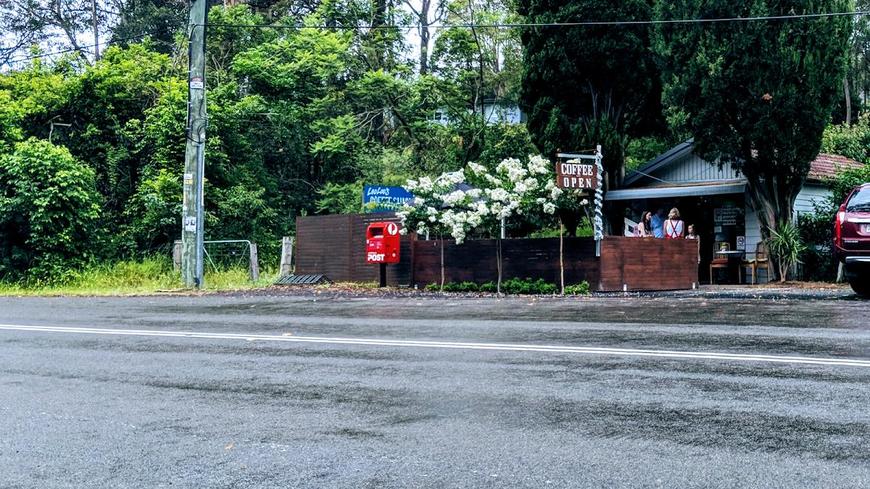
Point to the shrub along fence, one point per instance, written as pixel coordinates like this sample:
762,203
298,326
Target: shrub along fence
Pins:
335,246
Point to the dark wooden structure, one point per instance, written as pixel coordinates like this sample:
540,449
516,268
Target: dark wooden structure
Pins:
335,247
476,260
648,263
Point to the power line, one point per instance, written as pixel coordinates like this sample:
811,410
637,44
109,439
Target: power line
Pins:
468,25
80,48
585,23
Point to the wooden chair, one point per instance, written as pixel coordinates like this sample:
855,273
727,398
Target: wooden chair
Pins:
719,261
761,260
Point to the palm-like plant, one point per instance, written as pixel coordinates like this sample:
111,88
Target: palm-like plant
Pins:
785,247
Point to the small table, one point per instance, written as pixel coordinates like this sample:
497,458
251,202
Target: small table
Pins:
735,258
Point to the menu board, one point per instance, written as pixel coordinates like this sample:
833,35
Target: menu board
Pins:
726,216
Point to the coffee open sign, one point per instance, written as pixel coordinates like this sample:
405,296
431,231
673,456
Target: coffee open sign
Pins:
577,175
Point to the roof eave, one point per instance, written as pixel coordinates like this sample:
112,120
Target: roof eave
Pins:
660,161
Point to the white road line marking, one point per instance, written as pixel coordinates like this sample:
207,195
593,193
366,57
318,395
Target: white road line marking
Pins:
697,355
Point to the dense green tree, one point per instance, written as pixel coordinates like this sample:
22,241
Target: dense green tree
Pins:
106,111
159,20
299,119
756,95
589,85
850,140
49,208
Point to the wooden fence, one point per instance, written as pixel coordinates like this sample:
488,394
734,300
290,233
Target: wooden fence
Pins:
335,246
476,260
648,263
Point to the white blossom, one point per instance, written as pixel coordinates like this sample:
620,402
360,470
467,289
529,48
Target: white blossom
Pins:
425,184
454,197
476,168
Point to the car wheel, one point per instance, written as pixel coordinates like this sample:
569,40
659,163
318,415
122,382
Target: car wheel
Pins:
861,286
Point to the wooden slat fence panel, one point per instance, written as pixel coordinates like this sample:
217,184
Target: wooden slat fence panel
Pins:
648,264
476,260
335,247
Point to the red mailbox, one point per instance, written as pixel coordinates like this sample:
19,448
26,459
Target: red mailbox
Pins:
382,242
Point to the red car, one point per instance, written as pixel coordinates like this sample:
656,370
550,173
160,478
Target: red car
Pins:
852,239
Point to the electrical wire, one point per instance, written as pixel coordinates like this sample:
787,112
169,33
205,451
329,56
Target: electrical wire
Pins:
506,25
585,23
72,50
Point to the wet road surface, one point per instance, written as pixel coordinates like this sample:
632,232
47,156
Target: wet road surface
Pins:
79,409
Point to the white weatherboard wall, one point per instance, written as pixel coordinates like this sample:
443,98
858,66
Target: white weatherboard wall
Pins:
753,230
692,168
811,193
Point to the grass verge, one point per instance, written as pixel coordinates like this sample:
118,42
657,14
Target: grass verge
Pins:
149,276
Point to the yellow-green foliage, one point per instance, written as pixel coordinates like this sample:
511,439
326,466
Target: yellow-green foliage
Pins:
149,276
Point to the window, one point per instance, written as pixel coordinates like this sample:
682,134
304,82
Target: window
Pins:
860,200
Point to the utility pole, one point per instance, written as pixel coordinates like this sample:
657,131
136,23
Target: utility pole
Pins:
194,157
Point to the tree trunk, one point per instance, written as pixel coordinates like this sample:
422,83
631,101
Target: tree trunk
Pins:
848,101
498,266
95,23
423,20
773,202
441,240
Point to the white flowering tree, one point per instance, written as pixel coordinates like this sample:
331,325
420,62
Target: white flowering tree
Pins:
443,207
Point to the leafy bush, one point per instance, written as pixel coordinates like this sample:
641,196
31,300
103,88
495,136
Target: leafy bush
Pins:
527,286
817,233
340,198
512,286
488,287
49,208
785,247
454,287
845,182
640,150
850,140
462,287
578,289
816,228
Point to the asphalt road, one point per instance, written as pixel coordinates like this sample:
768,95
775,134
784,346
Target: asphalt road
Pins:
305,391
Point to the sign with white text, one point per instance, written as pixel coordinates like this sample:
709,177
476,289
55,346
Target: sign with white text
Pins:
577,175
380,198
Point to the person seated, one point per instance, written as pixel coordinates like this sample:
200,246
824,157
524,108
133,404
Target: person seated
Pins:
673,225
643,229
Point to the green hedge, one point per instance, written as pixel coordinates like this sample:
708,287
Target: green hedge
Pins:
513,286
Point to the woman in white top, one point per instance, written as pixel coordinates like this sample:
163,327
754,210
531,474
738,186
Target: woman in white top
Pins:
673,225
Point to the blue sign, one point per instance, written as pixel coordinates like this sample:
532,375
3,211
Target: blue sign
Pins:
378,198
